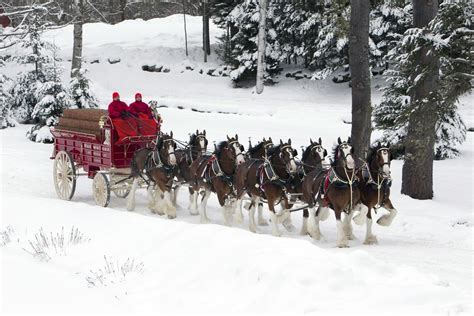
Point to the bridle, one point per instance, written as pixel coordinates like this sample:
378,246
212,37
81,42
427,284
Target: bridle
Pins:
381,176
289,149
163,142
232,148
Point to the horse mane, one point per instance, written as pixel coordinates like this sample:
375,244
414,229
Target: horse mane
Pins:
220,148
306,152
254,149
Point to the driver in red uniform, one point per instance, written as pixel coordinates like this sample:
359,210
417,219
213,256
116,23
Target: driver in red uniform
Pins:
147,124
124,123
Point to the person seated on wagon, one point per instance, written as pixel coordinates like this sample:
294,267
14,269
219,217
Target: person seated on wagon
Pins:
147,125
124,123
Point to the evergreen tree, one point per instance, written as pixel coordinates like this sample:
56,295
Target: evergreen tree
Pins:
447,38
7,118
81,94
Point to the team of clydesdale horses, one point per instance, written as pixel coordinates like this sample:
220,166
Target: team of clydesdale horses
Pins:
268,173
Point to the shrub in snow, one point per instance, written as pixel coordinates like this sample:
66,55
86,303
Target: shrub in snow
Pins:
81,94
6,236
114,272
44,246
7,118
447,36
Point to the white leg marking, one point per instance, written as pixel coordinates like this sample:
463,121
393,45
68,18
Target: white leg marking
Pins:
159,205
304,227
202,211
151,199
239,216
386,220
313,224
169,207
360,218
261,220
252,225
175,195
370,239
348,226
275,229
341,236
323,213
131,196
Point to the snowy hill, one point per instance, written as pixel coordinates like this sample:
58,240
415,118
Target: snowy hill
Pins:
422,264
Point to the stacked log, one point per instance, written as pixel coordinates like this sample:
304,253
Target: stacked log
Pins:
81,120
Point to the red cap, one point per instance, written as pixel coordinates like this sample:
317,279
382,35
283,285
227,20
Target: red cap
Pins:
115,95
138,94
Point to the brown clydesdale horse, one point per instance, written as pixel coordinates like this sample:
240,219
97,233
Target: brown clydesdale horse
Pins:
258,151
340,189
267,179
156,167
375,182
215,173
196,148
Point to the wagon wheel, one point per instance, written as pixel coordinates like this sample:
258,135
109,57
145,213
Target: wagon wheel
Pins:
64,175
101,189
122,189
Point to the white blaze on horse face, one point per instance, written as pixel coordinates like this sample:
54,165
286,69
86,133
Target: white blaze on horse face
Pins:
292,164
320,152
239,157
386,166
202,143
171,155
346,150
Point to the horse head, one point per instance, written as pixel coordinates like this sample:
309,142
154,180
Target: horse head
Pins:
166,147
344,153
380,158
236,149
199,142
286,154
316,151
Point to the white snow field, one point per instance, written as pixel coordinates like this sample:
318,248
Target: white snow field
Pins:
421,266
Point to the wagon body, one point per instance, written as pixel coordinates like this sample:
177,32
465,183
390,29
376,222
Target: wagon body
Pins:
96,150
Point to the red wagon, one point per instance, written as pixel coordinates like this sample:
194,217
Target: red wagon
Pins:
96,150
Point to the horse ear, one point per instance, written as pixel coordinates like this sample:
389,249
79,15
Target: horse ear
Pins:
204,132
320,141
379,144
281,142
311,141
264,139
339,140
270,139
197,132
228,138
289,141
236,137
349,140
325,152
242,148
171,134
295,152
388,145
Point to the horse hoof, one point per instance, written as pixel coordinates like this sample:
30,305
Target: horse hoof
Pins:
276,234
289,227
359,219
262,222
193,213
171,216
384,220
205,221
372,240
351,237
253,229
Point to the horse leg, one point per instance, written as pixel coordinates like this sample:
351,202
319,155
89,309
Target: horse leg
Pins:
253,206
342,241
348,225
360,218
304,225
227,211
169,206
174,194
193,201
131,195
313,223
323,213
239,216
151,198
261,221
274,218
386,220
203,210
159,201
370,238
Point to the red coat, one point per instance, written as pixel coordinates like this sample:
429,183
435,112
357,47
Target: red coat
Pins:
117,107
140,107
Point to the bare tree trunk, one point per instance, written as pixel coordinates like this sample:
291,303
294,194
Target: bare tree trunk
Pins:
205,30
261,46
360,77
417,174
185,30
77,44
123,6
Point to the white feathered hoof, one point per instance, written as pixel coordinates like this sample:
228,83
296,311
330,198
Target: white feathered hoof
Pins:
359,219
262,222
288,225
371,240
316,235
387,219
130,205
344,243
323,214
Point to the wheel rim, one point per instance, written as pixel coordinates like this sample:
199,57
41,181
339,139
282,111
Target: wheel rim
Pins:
64,176
101,190
122,189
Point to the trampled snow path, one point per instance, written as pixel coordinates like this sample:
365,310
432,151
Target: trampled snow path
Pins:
421,266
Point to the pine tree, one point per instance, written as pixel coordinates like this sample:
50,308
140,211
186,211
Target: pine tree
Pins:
7,118
81,94
447,38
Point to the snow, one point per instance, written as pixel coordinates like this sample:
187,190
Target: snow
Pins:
421,266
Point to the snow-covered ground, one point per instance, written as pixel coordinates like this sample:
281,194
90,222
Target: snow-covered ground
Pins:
422,264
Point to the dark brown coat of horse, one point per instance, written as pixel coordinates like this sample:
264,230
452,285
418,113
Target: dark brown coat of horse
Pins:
215,173
155,166
375,182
